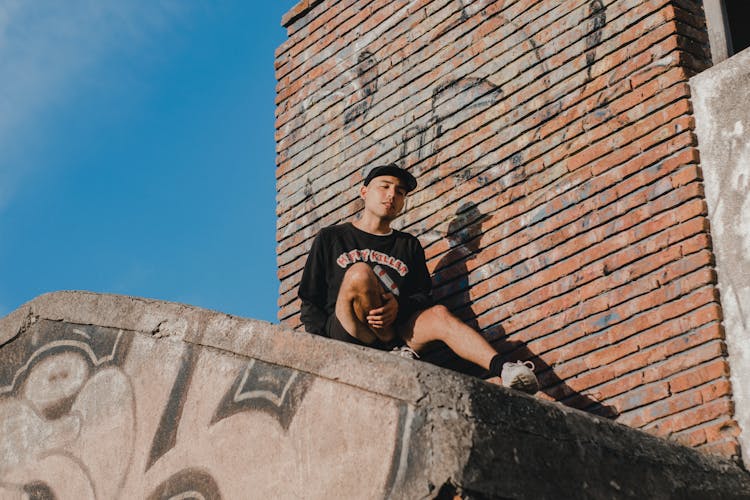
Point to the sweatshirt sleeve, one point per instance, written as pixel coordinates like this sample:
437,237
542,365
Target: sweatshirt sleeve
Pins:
313,289
419,293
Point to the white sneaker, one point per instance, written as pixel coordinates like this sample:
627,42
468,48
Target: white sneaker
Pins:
405,352
520,376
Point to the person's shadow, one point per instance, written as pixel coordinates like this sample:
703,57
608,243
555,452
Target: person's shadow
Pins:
451,285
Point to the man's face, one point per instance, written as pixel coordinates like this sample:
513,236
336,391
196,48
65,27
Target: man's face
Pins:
384,196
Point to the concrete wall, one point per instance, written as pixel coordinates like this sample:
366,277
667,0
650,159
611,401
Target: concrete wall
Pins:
722,115
118,397
561,202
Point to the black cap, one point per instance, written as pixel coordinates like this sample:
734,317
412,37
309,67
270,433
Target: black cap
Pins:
392,169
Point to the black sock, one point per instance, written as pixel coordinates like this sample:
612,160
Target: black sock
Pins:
496,365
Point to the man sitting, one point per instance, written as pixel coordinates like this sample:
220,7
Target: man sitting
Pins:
368,284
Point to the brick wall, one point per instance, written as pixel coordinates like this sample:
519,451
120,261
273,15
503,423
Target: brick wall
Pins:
560,202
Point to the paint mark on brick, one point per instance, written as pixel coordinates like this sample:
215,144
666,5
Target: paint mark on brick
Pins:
607,320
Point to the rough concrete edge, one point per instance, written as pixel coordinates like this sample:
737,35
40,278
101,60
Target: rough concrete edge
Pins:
15,323
680,467
155,317
344,363
722,67
419,385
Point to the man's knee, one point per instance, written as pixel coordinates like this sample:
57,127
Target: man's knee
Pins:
359,277
440,314
438,320
428,325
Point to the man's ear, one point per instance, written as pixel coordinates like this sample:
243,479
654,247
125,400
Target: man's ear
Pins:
362,191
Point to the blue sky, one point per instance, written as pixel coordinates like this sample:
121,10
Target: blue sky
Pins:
137,150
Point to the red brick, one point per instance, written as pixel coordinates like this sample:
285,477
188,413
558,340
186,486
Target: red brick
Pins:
711,432
636,30
704,413
596,257
621,376
698,376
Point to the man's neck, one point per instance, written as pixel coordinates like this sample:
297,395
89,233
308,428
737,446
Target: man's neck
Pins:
373,225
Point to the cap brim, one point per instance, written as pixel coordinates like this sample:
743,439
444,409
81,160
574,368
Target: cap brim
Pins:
410,182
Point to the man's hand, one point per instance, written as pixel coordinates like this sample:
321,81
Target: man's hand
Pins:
384,316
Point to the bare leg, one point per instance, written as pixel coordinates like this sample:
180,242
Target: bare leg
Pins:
438,323
361,292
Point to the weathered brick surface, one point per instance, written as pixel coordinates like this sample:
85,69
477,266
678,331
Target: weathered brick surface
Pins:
560,202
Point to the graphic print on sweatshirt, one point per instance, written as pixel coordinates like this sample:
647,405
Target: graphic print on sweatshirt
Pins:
346,259
367,255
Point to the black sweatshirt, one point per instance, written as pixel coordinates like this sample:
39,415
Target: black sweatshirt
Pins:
336,248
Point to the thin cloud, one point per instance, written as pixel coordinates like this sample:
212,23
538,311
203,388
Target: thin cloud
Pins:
46,47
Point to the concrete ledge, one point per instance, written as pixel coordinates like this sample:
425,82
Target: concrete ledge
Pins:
722,122
111,396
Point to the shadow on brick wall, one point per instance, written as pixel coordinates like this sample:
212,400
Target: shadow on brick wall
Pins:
452,274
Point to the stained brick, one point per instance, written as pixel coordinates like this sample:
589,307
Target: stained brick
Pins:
573,134
630,32
689,418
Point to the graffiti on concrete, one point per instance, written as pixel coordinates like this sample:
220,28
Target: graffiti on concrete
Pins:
165,436
273,389
188,484
62,394
90,412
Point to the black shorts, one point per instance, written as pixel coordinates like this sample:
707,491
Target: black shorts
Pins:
335,330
